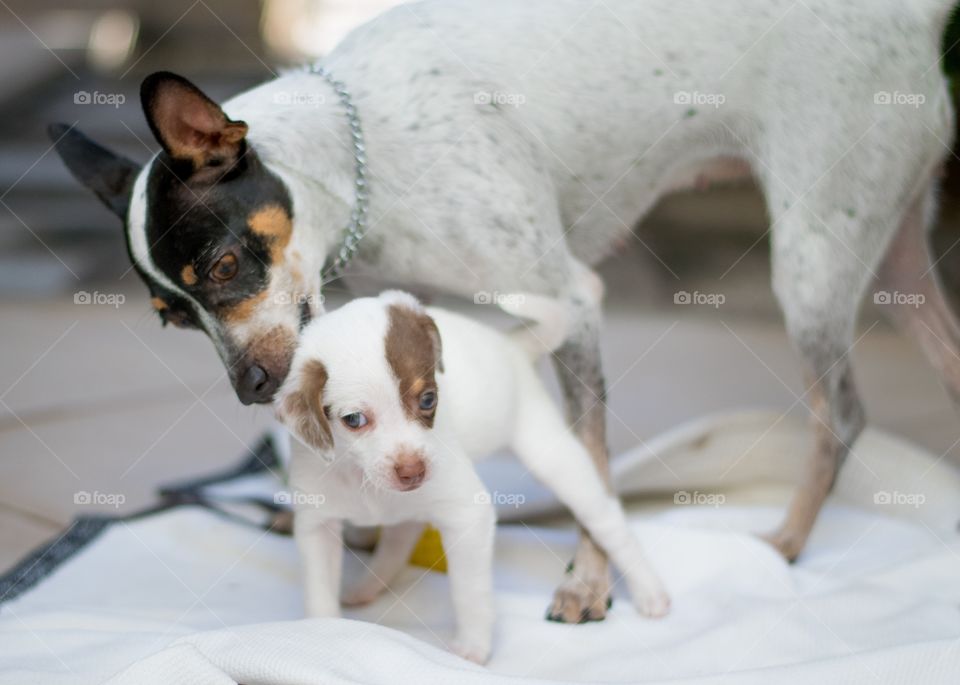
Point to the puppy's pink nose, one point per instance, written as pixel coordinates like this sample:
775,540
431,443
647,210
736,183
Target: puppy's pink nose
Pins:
410,471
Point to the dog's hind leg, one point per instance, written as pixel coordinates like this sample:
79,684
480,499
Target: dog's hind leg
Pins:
911,295
824,258
549,449
390,556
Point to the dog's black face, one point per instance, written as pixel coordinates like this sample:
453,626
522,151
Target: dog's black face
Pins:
208,228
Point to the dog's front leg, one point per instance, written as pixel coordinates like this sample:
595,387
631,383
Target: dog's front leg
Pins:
389,558
585,593
467,529
320,544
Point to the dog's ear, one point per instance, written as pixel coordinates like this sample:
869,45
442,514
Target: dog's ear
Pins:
410,327
302,409
189,125
108,175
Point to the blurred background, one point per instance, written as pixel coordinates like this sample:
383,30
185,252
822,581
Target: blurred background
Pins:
95,396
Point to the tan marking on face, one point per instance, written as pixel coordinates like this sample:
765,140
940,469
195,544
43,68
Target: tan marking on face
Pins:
158,304
188,275
273,224
244,310
413,352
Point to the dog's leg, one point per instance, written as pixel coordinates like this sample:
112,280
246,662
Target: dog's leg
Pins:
912,295
467,529
389,558
584,595
552,453
819,276
321,551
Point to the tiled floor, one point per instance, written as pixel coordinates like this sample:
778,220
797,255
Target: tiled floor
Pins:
101,399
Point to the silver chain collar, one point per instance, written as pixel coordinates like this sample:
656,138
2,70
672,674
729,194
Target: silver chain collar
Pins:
354,230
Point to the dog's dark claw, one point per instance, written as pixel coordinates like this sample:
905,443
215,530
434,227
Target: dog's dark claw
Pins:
609,602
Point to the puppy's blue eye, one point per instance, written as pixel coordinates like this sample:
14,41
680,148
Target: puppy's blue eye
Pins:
428,400
354,421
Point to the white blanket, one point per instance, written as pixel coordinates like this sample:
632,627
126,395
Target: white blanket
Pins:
188,597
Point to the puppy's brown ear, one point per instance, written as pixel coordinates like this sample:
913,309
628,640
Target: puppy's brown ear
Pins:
302,409
189,125
433,333
413,339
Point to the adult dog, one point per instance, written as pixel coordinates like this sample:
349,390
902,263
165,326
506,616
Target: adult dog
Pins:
508,144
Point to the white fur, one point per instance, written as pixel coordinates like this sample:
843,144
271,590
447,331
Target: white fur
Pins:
490,398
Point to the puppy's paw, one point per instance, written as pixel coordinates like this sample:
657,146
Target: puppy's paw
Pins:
653,602
581,599
789,544
477,651
360,594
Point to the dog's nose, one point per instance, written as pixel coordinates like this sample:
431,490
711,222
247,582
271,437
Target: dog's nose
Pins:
255,385
410,472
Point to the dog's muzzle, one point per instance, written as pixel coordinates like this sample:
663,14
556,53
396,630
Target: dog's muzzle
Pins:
255,385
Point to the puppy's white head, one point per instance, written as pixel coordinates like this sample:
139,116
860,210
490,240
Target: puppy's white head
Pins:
362,388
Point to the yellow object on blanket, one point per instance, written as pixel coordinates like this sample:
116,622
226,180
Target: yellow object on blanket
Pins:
429,551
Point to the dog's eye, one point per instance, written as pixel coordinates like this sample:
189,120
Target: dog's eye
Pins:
428,400
355,420
225,268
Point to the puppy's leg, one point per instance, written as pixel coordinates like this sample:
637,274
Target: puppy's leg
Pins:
321,552
912,297
467,528
389,558
561,462
585,593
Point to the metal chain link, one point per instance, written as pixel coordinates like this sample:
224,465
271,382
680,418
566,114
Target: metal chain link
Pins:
354,230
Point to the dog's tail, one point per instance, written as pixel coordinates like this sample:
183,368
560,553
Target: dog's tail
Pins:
550,320
546,322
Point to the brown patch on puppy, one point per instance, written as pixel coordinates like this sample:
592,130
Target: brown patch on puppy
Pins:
242,311
188,275
158,304
413,352
272,223
303,409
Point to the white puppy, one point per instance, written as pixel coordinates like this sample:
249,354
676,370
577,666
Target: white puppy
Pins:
393,424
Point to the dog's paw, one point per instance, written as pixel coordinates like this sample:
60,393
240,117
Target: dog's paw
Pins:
360,594
579,600
653,602
788,544
477,651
